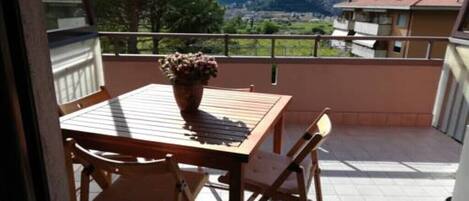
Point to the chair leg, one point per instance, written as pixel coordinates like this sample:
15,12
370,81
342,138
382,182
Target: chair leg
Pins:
85,183
300,177
317,183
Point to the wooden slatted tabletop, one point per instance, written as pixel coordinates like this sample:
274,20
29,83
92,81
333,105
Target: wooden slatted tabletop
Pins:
229,125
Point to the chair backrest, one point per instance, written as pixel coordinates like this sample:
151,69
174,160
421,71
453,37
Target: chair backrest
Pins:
315,135
156,167
321,125
248,89
86,157
84,102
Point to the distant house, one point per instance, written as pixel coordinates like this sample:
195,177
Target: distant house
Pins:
395,18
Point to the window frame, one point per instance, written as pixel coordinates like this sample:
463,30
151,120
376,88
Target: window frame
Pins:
63,37
398,20
457,29
400,48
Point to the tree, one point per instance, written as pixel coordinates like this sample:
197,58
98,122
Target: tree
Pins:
233,25
187,16
120,15
155,10
269,27
194,16
318,30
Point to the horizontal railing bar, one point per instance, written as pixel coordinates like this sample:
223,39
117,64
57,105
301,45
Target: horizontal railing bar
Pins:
288,59
160,35
272,36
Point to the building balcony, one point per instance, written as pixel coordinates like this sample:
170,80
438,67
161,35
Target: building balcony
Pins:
367,52
373,29
343,24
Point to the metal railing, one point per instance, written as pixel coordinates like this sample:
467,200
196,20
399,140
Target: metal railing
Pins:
315,39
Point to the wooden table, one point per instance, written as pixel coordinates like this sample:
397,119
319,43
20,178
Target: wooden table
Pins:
146,122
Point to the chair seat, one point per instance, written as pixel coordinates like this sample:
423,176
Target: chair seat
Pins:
150,187
264,167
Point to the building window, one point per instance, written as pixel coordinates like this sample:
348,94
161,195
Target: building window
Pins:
397,46
65,14
402,20
69,21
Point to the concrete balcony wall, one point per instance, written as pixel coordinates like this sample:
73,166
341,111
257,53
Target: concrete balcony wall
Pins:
367,52
360,91
343,24
372,28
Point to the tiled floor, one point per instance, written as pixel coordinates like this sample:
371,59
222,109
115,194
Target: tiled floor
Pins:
373,164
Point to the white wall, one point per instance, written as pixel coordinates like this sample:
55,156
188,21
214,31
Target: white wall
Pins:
461,189
451,111
77,69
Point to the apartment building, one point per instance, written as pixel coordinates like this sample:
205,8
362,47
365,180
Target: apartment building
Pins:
395,18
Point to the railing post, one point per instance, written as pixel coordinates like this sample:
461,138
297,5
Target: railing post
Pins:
316,44
272,54
429,50
156,45
114,43
227,49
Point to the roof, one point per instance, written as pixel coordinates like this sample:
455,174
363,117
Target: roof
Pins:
402,4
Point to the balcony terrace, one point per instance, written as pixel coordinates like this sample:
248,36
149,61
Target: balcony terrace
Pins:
382,146
397,123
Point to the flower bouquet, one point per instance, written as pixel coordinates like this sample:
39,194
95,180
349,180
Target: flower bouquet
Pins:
188,73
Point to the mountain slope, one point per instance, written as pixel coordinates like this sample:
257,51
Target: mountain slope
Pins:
324,7
224,2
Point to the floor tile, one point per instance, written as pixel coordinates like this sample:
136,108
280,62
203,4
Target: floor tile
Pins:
367,164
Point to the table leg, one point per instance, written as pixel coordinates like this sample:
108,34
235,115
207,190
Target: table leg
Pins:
278,130
236,183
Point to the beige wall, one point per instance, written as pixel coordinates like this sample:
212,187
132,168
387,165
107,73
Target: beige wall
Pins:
430,23
361,93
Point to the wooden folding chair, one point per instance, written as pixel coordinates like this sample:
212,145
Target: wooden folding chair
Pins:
270,174
248,89
84,102
143,181
102,178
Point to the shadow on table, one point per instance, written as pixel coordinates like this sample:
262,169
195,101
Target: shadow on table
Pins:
209,129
